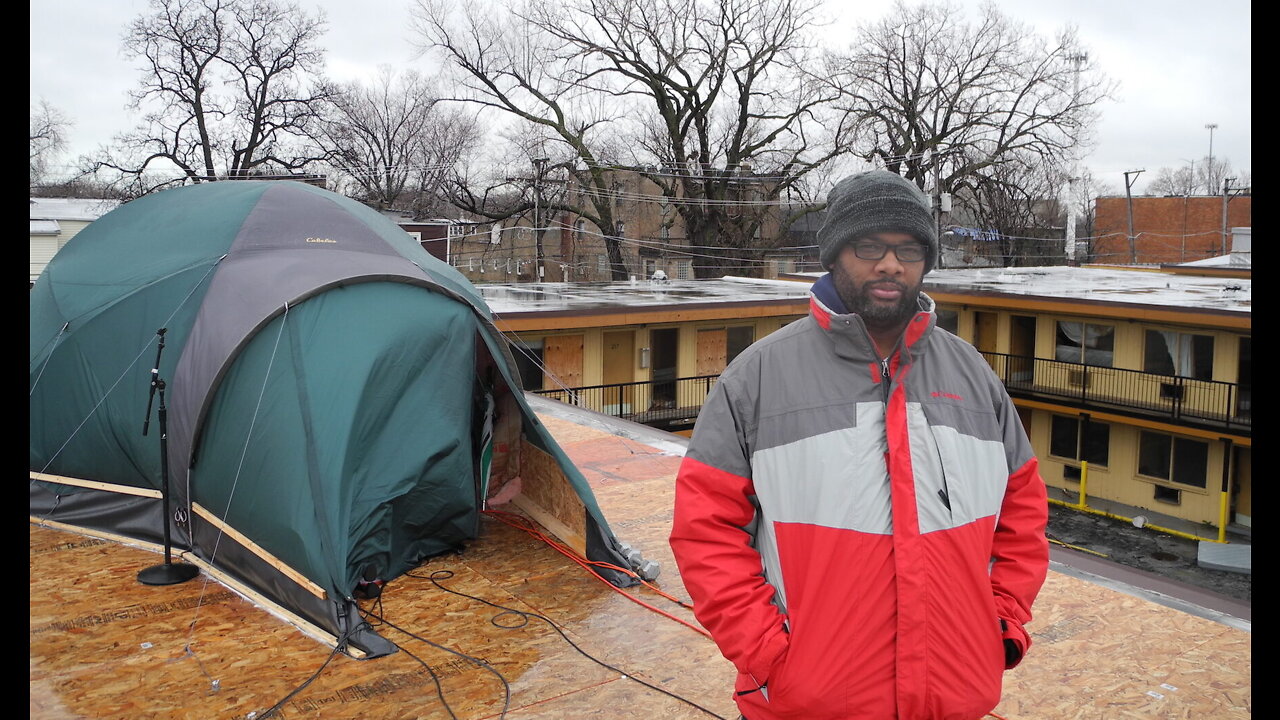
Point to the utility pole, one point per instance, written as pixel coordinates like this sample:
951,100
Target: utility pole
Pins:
1228,192
941,203
1078,59
1128,184
539,167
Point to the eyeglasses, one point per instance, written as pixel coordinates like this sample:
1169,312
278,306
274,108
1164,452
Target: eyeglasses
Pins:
871,250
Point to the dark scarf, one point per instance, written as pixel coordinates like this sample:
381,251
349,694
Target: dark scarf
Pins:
825,290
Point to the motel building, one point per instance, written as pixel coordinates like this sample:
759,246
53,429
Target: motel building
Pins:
1133,383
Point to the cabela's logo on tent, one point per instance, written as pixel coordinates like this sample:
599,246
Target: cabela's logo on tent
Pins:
321,240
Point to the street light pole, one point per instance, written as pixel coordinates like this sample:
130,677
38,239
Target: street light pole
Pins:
1209,179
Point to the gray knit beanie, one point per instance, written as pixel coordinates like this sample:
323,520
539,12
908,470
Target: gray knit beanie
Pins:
871,202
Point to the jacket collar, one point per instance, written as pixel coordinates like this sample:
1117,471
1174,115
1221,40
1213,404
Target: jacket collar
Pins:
848,331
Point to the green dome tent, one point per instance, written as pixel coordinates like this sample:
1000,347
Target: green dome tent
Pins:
339,401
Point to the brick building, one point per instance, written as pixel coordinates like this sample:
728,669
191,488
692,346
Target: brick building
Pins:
1166,229
649,227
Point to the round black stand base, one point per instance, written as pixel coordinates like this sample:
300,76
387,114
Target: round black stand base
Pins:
168,574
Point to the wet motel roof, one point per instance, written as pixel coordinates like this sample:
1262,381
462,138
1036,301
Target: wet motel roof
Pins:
508,299
1138,287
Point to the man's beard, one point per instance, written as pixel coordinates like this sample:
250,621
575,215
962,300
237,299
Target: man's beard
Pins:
857,299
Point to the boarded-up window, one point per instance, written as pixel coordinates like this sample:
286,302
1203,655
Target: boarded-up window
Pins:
712,352
563,357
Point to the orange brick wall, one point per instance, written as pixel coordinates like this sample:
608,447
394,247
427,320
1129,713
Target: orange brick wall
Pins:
1168,229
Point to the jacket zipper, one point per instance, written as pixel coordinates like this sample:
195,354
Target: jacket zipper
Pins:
943,495
885,381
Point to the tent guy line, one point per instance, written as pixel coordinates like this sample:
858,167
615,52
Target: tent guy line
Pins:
213,555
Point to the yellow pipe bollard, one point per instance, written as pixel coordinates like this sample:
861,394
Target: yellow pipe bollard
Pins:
1084,482
1224,505
1122,518
1083,506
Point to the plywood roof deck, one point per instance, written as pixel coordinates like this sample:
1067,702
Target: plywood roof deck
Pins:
104,646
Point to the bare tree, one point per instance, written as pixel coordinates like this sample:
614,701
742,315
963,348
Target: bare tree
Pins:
230,88
1087,189
940,99
49,128
1173,181
706,99
1017,205
502,62
392,140
1211,172
1203,178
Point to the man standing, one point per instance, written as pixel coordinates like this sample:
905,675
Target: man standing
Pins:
859,516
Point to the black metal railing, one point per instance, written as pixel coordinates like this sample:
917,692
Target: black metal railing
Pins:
649,402
1177,398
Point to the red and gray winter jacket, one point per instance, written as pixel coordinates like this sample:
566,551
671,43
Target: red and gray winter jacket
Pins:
853,532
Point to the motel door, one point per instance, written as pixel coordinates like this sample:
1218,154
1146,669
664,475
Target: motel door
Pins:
619,368
1242,485
665,345
984,337
1022,348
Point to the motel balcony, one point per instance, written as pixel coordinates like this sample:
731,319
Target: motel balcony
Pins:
1209,404
673,404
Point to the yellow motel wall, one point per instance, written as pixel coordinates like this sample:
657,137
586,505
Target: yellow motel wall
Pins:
992,329
594,365
578,352
1119,480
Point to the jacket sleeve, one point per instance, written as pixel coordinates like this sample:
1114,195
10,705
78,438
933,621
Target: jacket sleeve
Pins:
712,545
1020,549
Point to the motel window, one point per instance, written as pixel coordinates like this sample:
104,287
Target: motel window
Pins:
602,263
949,320
1174,459
1174,353
1074,438
738,339
684,269
528,357
650,267
1085,343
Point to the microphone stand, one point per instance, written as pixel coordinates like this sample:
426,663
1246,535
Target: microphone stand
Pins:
168,573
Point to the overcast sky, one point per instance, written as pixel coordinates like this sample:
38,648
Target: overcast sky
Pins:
1181,64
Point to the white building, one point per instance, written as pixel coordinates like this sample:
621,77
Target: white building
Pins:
54,221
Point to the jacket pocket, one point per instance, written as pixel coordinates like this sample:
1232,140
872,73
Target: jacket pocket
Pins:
747,685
